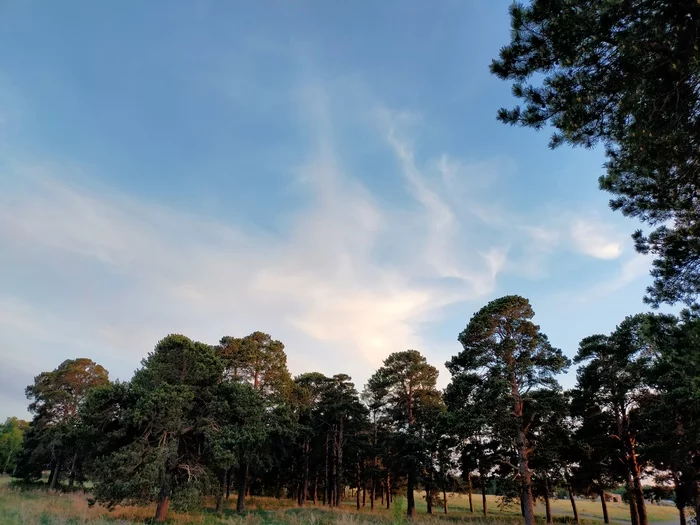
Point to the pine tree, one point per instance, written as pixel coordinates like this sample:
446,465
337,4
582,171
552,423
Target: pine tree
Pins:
506,356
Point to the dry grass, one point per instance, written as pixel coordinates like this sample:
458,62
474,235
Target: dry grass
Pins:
53,508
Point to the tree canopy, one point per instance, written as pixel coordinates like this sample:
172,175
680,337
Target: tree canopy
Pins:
505,357
623,75
199,420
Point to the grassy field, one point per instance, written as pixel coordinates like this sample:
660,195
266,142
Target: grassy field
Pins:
30,507
587,509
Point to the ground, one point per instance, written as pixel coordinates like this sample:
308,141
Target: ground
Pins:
30,507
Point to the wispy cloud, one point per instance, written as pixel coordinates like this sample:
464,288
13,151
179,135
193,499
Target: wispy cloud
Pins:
126,271
349,281
596,239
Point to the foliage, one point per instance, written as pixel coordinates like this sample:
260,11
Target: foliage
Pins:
162,427
624,75
11,436
197,420
399,518
257,359
55,435
403,391
506,359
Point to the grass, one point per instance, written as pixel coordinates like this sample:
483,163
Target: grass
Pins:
41,507
587,509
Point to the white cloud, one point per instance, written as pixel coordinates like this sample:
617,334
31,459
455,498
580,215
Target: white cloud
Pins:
596,239
125,271
106,274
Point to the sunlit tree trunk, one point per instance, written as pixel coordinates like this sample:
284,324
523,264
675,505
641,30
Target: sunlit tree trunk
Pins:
634,514
163,503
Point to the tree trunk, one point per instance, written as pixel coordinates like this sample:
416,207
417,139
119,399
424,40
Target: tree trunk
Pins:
429,500
521,445
339,475
410,500
7,460
220,492
469,492
364,494
604,504
57,473
388,490
444,499
315,495
634,514
357,492
332,488
522,503
547,506
305,479
525,478
372,490
681,514
634,489
242,487
71,476
229,480
325,480
573,504
163,503
333,468
639,493
639,496
483,496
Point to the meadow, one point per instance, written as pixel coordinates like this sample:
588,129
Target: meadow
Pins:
41,507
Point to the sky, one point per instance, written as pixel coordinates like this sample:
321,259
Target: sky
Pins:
330,173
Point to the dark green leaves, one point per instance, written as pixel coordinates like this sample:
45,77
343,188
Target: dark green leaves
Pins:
624,75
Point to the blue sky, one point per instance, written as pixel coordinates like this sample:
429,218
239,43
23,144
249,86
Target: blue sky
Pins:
331,173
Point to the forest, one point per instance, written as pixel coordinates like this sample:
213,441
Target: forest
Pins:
204,423
229,421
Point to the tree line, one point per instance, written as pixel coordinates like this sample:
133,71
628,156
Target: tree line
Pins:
199,419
